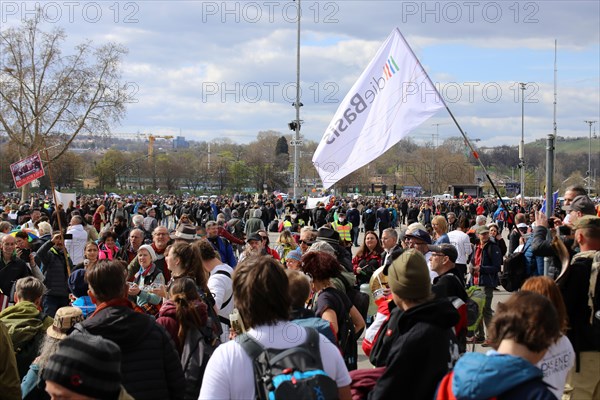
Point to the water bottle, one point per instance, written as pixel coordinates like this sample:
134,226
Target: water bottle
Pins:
236,322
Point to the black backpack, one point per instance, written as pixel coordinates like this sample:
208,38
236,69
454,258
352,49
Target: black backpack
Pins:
294,373
358,299
514,272
195,356
346,335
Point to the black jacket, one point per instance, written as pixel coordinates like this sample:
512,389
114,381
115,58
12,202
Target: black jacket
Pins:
422,354
150,365
10,272
574,286
53,265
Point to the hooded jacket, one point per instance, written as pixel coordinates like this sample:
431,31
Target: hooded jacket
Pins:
423,352
150,365
478,376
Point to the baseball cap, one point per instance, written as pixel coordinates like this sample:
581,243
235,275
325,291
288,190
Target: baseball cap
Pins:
446,249
583,204
419,234
483,229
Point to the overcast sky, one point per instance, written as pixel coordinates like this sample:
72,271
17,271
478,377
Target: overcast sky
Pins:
228,69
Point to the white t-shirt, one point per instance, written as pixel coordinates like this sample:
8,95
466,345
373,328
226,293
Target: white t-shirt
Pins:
222,290
461,241
230,375
556,364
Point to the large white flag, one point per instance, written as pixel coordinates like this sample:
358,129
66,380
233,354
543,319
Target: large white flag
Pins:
65,198
392,97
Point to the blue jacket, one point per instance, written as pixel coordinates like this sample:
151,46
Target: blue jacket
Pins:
535,264
225,250
491,261
85,304
479,376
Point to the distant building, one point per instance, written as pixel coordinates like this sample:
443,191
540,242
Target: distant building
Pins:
180,143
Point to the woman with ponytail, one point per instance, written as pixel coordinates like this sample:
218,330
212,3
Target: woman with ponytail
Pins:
184,316
183,311
184,261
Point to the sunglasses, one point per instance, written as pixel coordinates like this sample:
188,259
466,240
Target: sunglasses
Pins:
305,242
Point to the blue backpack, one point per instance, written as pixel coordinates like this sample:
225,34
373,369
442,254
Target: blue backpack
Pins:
294,373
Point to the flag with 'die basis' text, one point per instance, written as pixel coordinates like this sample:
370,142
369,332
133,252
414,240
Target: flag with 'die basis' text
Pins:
392,97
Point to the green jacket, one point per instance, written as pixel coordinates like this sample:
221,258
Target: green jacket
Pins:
9,376
23,322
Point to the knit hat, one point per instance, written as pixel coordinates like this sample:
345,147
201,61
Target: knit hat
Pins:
150,250
408,276
328,235
295,254
64,320
86,364
77,283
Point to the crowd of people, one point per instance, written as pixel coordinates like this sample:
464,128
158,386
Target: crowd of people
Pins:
184,298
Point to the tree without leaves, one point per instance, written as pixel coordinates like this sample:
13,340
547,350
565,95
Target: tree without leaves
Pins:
48,98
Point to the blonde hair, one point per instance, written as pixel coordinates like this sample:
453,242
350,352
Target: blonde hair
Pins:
441,223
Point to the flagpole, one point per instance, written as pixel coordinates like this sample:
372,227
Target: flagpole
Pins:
466,139
62,238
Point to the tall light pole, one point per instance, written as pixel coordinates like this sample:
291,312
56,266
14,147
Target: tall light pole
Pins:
522,144
297,105
589,170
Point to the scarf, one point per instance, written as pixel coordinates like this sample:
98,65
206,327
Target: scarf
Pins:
157,251
118,302
143,272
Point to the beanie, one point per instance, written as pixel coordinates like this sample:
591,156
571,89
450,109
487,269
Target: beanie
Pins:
150,250
86,364
408,276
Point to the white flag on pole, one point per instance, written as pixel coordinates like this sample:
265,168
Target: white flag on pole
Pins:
65,198
392,97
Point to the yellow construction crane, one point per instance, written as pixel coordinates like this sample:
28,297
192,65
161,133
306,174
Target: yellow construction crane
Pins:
151,139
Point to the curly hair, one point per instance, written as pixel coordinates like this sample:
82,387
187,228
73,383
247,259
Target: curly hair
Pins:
320,265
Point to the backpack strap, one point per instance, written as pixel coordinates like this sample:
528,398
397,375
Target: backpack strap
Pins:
226,302
254,351
594,272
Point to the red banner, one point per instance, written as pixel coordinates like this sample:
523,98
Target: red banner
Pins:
27,170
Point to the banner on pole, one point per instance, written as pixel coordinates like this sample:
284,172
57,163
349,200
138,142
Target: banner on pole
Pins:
392,97
27,170
65,198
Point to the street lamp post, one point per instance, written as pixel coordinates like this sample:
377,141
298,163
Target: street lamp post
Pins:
522,144
589,170
297,105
